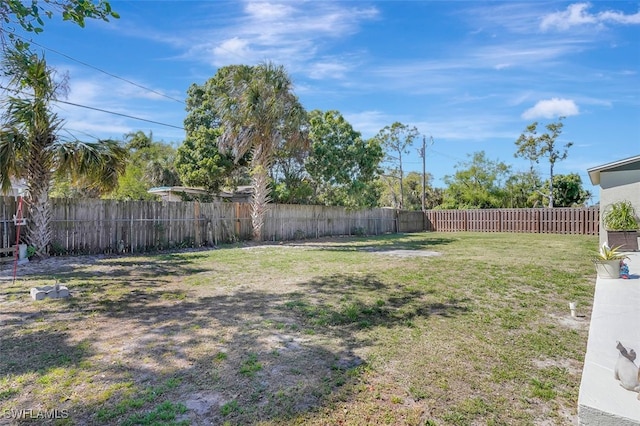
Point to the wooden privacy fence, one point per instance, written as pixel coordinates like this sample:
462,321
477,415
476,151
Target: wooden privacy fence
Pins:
91,226
542,220
110,226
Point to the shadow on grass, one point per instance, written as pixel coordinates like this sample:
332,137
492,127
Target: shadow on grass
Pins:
120,266
364,301
241,357
276,363
38,351
377,243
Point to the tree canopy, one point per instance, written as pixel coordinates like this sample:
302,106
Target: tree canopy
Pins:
199,161
477,183
31,15
535,147
412,185
342,166
396,139
149,164
567,191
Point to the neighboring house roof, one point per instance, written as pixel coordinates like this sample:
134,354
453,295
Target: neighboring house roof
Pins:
242,192
172,193
166,192
631,163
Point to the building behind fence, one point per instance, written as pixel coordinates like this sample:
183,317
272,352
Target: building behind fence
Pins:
110,226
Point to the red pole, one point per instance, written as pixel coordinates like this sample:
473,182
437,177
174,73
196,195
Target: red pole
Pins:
17,249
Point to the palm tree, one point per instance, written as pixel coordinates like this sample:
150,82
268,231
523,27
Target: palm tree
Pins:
259,115
31,149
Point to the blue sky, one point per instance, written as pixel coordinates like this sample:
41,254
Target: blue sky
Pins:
470,74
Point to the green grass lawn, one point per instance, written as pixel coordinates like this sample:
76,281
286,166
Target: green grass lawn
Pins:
336,331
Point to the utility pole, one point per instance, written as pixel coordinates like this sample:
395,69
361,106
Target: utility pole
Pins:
423,153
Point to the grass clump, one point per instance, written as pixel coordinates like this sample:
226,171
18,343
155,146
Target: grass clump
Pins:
250,366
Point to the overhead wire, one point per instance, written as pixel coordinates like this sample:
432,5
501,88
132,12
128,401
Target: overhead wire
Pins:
102,71
101,110
120,114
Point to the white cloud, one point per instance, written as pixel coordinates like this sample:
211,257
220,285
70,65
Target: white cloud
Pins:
268,11
329,69
578,14
620,17
291,33
552,108
369,123
228,51
493,17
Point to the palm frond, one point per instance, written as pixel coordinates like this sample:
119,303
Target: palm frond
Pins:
97,164
10,142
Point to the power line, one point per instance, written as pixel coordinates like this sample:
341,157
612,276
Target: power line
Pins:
68,130
102,71
120,114
100,110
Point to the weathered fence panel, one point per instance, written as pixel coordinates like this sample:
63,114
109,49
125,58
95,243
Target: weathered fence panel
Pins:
410,221
288,222
110,226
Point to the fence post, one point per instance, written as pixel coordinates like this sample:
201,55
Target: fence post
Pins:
197,228
237,219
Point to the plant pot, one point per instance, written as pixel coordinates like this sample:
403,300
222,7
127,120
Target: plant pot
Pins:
627,240
608,269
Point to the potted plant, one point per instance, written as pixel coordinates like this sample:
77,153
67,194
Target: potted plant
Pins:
608,262
621,223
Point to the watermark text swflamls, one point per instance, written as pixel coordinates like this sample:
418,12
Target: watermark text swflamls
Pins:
23,414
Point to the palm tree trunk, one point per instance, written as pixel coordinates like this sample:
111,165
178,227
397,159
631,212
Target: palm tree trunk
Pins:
259,200
38,203
38,227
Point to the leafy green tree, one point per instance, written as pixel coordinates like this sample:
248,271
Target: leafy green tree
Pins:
199,161
477,184
292,191
291,183
150,164
535,147
31,148
567,191
342,166
434,197
412,192
30,15
155,158
523,189
397,139
260,115
131,185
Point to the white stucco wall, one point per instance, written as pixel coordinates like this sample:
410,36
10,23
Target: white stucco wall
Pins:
618,186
